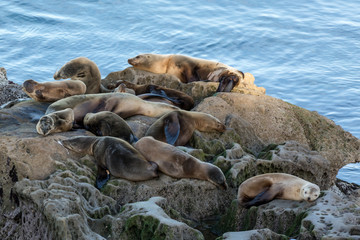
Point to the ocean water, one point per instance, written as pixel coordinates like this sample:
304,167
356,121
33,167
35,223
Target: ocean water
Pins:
305,52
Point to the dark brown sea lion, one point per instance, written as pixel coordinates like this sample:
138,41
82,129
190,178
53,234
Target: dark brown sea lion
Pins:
85,70
109,124
114,156
177,127
189,69
176,163
264,188
53,91
123,104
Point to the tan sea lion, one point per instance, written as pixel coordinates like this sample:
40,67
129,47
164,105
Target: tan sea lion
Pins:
60,121
53,91
114,156
147,91
176,163
85,70
266,187
177,127
109,124
123,104
189,69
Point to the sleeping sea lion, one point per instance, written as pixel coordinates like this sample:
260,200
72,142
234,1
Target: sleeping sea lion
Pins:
85,70
53,91
266,187
60,121
189,69
146,91
109,124
114,156
123,104
176,163
177,127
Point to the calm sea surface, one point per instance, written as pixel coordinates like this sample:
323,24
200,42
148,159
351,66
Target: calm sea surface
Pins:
306,52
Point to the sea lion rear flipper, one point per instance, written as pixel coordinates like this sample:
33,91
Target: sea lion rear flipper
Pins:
262,198
102,178
172,129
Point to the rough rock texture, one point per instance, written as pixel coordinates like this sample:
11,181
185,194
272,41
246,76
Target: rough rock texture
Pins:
260,234
198,90
47,192
291,157
274,121
9,90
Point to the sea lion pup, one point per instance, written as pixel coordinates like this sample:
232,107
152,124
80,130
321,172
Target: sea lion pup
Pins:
176,163
114,156
177,127
123,104
60,121
53,91
85,70
109,124
146,91
266,187
189,69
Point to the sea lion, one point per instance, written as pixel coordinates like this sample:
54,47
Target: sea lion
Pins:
109,124
53,91
114,156
147,91
266,187
189,69
85,70
177,127
60,121
176,163
123,104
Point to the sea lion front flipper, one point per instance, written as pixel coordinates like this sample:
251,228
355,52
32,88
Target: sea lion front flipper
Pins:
227,83
102,177
264,197
172,129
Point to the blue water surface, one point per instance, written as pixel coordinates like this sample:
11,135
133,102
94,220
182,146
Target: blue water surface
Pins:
305,52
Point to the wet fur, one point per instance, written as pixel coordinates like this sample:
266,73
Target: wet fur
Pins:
107,123
115,155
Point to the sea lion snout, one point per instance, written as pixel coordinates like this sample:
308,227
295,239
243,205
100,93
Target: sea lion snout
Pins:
29,85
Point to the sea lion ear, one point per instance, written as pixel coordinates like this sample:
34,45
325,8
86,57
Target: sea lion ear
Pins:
172,129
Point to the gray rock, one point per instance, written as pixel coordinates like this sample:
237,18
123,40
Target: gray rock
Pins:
258,234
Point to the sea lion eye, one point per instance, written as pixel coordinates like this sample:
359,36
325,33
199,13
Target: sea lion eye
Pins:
82,74
305,192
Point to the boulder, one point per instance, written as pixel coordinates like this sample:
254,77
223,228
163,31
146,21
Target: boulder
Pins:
9,90
273,121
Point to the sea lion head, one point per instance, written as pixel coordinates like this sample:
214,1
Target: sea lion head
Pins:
216,176
82,69
59,121
81,144
140,59
310,192
208,122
